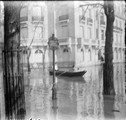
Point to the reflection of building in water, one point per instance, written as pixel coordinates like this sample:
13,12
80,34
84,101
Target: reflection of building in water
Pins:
119,79
119,83
39,102
89,97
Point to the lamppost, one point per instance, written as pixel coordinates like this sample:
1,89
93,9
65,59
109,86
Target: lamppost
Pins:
53,45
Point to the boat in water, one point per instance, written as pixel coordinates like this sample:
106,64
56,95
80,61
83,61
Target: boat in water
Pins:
68,73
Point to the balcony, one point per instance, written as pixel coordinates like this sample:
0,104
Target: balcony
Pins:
103,42
63,17
79,42
89,20
117,28
86,41
37,18
22,19
64,41
102,22
94,42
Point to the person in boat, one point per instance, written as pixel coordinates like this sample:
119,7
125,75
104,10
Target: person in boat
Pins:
74,69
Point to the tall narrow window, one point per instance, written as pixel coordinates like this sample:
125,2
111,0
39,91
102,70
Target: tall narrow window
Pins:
89,33
65,32
90,15
102,17
102,34
116,22
63,10
96,33
97,14
120,24
120,38
37,13
24,14
116,38
81,31
38,32
24,33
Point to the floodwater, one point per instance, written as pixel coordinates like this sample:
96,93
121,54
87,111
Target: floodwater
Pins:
78,98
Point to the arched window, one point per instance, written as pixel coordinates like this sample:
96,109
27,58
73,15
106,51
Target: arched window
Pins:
38,51
65,50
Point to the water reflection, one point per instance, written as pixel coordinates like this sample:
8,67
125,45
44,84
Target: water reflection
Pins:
78,98
114,106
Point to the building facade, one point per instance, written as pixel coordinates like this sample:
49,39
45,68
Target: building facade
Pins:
79,28
34,31
81,32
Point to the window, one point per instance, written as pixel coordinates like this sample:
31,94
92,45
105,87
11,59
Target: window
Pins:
65,50
116,38
63,13
81,11
102,34
24,32
120,24
37,13
63,10
97,14
102,16
65,32
81,31
116,22
24,14
120,38
96,33
89,33
90,15
38,51
38,32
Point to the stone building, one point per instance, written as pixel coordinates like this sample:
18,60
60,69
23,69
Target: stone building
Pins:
81,32
80,29
34,30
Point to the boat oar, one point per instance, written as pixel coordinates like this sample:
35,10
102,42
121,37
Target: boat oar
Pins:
61,73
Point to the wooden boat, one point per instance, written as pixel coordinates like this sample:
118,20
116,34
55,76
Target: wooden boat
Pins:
68,73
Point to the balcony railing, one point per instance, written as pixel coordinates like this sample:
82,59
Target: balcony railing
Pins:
94,41
63,40
37,18
103,42
102,22
23,18
86,40
117,28
89,20
63,17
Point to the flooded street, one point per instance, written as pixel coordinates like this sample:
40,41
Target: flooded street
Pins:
78,98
